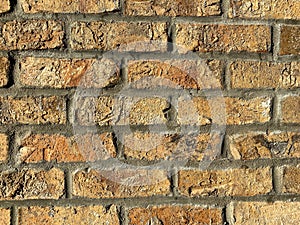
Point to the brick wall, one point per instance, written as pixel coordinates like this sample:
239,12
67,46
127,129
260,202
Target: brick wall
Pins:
149,112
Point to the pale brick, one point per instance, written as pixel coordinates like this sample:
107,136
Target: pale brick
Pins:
290,106
291,180
4,69
4,154
5,216
4,6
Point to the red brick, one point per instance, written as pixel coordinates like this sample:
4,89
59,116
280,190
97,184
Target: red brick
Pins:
175,215
122,36
222,38
120,183
4,69
65,73
80,148
173,8
230,182
31,34
56,215
290,40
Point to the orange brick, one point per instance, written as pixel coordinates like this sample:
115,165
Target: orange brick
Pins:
31,34
120,183
289,40
81,215
175,215
230,182
4,69
222,38
173,8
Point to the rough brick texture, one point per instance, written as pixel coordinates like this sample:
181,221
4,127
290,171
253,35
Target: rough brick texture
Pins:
33,110
4,6
4,67
31,34
123,36
256,74
291,180
68,215
64,73
120,183
222,38
175,215
290,40
79,148
248,213
150,146
256,145
188,74
233,182
67,6
32,184
227,110
173,8
265,9
290,109
4,154
5,216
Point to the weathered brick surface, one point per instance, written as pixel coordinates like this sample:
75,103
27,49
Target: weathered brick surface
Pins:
64,73
256,74
291,180
227,110
290,109
5,216
177,215
68,215
106,110
120,183
256,145
275,213
190,146
79,148
33,110
4,6
175,73
173,8
230,182
222,38
265,9
124,36
67,6
290,40
31,34
3,148
4,67
32,184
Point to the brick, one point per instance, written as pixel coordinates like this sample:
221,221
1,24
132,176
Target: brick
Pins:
175,74
289,40
106,110
230,182
255,74
222,38
5,216
89,215
291,180
122,36
120,183
65,73
290,109
32,184
267,213
226,110
67,6
265,9
31,34
183,214
33,110
256,145
173,8
80,148
4,6
4,69
192,146
4,148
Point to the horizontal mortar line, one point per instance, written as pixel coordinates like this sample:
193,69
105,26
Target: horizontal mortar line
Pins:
150,201
33,92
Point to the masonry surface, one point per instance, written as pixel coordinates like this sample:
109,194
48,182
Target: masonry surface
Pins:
144,112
